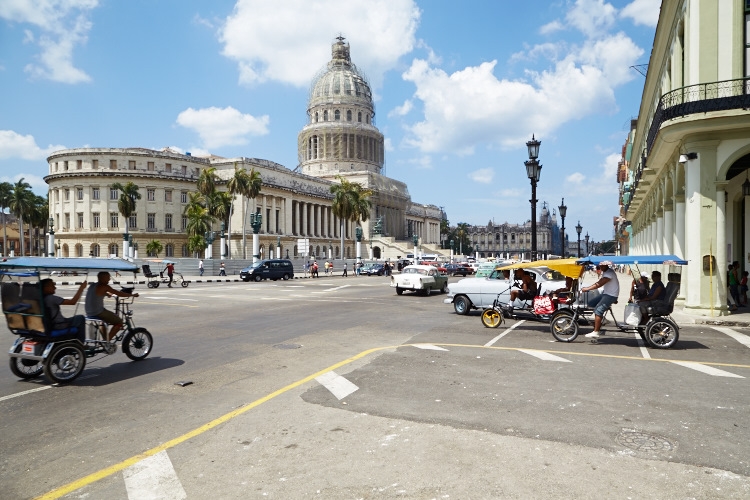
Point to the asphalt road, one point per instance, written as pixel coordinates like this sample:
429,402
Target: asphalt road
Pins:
338,388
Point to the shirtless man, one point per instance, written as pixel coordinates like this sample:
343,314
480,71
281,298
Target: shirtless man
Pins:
95,303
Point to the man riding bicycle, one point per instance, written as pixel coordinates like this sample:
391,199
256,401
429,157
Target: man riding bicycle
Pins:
95,303
610,291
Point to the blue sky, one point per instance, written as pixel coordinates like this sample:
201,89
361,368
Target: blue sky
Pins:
460,87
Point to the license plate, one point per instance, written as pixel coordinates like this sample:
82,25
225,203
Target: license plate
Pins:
29,348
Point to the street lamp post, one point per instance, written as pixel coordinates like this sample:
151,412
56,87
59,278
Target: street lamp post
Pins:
51,243
533,170
415,240
587,243
579,228
256,221
358,236
209,237
223,238
563,210
452,245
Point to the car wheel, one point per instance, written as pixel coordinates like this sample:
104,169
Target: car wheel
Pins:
246,279
462,305
444,289
258,278
285,277
399,290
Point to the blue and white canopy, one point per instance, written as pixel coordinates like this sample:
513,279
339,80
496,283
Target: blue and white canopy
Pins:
614,260
67,264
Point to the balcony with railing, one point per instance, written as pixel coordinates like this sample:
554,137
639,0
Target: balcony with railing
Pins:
701,98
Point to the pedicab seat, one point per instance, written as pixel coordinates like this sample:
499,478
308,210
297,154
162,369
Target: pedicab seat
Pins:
666,306
24,314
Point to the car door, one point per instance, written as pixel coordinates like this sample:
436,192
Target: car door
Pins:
490,287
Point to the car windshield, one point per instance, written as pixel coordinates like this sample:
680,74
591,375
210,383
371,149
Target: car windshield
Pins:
553,275
415,270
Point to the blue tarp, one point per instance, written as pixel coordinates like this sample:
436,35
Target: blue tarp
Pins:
68,264
632,259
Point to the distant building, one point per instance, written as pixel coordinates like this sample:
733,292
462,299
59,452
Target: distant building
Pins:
339,139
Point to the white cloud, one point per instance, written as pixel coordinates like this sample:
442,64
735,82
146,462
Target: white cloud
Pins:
289,41
37,183
576,178
644,12
482,176
388,144
63,24
422,163
401,110
592,17
23,147
551,27
219,127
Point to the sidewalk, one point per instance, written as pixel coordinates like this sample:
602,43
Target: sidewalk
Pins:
741,317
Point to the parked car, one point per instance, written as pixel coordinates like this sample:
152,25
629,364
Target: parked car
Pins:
456,270
478,293
372,269
420,279
467,266
268,269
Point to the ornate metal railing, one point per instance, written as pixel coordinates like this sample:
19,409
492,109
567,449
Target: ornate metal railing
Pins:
701,98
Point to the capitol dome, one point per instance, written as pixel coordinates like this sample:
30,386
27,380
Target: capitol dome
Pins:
340,82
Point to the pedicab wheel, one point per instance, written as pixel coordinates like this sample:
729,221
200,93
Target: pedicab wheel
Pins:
26,368
137,344
150,284
185,284
65,363
156,284
662,333
491,318
563,326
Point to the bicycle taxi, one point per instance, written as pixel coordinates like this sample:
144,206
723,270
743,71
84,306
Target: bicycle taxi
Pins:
655,325
155,279
60,354
543,305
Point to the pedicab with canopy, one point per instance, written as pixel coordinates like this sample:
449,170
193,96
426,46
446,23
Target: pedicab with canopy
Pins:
59,353
656,327
155,279
544,304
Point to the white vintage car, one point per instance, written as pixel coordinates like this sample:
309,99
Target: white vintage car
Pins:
479,293
421,279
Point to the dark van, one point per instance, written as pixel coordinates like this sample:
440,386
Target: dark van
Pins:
268,269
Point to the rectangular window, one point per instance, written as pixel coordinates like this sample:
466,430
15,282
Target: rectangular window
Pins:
113,193
150,166
97,220
94,164
79,193
184,222
168,222
131,164
183,197
80,220
57,195
168,167
67,194
168,195
113,164
133,222
95,193
183,169
67,221
56,167
151,221
151,194
79,164
65,165
114,220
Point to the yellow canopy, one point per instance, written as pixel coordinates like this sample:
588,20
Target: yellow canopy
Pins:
566,267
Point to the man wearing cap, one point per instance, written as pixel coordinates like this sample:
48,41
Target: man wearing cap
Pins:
610,291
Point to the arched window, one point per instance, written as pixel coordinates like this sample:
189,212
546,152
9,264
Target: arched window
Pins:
359,117
65,250
95,250
316,116
113,249
317,251
367,119
79,250
325,115
296,253
169,249
185,250
337,115
349,115
262,251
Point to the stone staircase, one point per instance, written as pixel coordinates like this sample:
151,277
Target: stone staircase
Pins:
398,249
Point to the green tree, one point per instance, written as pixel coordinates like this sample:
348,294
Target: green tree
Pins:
207,180
126,204
38,218
6,192
21,203
246,185
351,202
196,243
153,248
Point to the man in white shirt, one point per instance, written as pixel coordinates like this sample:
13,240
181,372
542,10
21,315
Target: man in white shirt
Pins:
610,291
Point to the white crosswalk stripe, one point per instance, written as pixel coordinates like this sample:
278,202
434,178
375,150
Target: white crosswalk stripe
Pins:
544,355
338,385
153,478
429,347
709,370
739,337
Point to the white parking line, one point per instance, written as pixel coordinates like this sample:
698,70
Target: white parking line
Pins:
153,477
709,370
506,332
336,288
739,337
338,385
429,346
25,392
642,346
544,355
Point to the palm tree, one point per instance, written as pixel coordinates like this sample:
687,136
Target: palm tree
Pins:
38,217
207,180
254,185
126,203
6,190
237,185
351,202
153,248
21,202
462,230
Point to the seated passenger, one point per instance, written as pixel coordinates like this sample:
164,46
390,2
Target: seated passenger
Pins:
567,288
528,287
639,288
95,303
52,305
657,291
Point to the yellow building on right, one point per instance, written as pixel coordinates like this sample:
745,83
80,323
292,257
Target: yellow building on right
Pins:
685,179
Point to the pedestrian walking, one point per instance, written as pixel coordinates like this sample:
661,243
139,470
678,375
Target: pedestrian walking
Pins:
345,274
170,273
200,267
222,269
